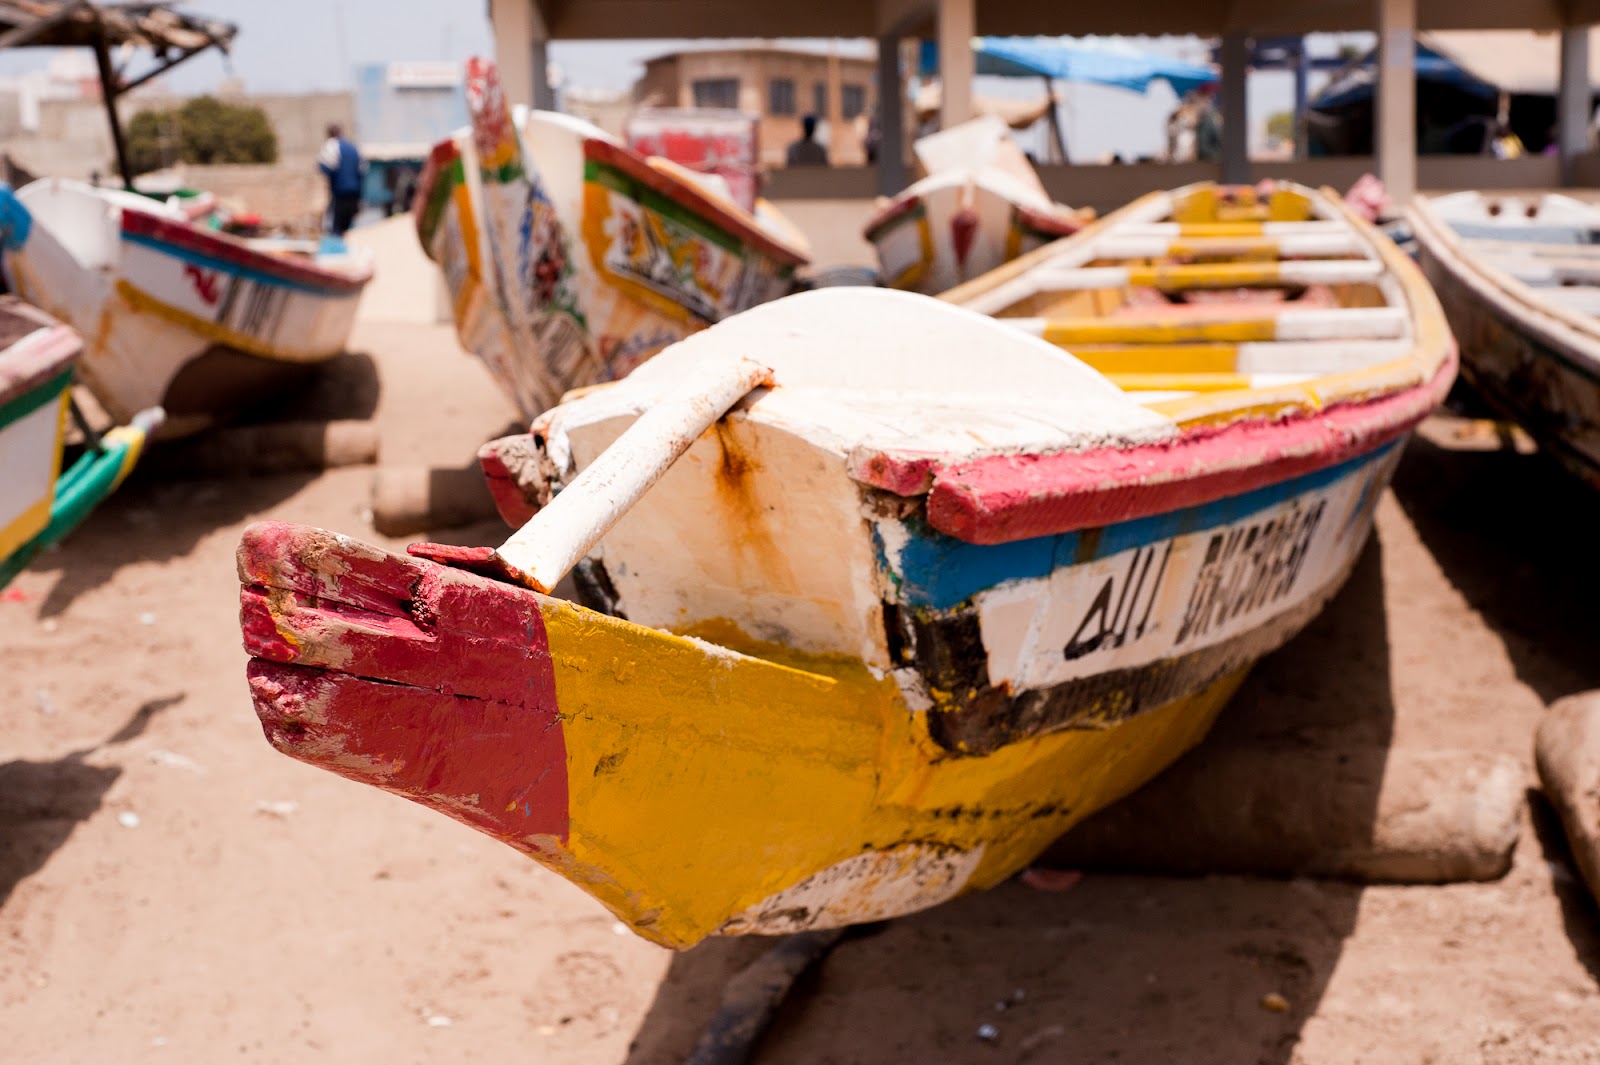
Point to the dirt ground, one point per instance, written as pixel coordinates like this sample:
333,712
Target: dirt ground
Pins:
171,889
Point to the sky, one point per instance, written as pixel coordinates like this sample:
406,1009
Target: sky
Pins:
311,45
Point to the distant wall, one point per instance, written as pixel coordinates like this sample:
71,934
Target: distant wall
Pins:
1108,186
73,137
287,197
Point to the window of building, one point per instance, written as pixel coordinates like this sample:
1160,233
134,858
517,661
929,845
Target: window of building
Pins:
716,92
780,96
819,99
852,100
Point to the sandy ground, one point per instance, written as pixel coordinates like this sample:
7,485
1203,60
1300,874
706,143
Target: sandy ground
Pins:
171,889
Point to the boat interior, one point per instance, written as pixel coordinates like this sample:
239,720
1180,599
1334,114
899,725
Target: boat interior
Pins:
76,215
1548,242
1210,289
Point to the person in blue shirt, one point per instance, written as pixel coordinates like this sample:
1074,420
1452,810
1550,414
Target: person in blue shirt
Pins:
341,164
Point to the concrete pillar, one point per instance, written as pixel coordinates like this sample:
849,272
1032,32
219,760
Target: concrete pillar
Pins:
520,39
1394,127
1235,113
1573,96
958,22
513,24
891,119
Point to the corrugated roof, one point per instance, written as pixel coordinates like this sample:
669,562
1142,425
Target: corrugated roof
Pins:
76,23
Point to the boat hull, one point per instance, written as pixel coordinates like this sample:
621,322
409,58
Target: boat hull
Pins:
696,789
571,259
946,231
174,316
39,502
35,384
1529,365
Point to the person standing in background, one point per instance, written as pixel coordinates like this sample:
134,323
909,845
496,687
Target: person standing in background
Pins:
341,164
806,151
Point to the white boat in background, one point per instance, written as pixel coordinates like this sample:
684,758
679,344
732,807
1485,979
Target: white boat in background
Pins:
194,321
571,259
980,206
1519,278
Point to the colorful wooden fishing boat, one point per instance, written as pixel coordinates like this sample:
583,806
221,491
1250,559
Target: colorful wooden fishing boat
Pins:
1519,279
570,258
39,504
197,322
981,205
914,589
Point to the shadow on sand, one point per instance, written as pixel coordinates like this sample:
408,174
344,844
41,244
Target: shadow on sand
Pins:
158,515
42,802
1515,534
1119,968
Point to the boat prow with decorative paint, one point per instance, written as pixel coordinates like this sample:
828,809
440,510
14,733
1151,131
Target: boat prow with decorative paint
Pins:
39,502
197,322
1519,278
570,258
980,206
929,592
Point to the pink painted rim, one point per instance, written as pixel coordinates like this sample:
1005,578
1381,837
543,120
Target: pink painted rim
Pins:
1002,498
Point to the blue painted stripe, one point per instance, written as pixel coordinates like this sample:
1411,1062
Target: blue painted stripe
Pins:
15,221
227,266
939,571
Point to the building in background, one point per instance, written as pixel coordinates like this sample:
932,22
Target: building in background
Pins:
401,111
778,85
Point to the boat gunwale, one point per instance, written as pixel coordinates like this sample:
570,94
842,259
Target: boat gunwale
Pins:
37,357
1573,337
729,217
233,252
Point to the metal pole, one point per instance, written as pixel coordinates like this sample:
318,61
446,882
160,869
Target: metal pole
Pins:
1302,75
544,94
1235,111
891,118
108,93
1573,107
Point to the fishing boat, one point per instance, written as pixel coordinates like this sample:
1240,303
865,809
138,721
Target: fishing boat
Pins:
883,592
980,205
1519,278
174,315
39,503
570,258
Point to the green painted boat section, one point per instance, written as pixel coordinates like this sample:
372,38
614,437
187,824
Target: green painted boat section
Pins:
78,491
19,407
612,178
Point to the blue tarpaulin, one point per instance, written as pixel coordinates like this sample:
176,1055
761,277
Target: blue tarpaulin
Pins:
1355,86
1070,59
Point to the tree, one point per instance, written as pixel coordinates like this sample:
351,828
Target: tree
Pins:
1280,127
203,130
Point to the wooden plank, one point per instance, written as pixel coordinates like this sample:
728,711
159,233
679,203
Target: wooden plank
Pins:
1212,275
1363,323
1133,246
542,551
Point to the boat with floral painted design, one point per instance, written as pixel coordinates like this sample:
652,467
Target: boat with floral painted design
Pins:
980,205
40,502
570,258
174,315
880,593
